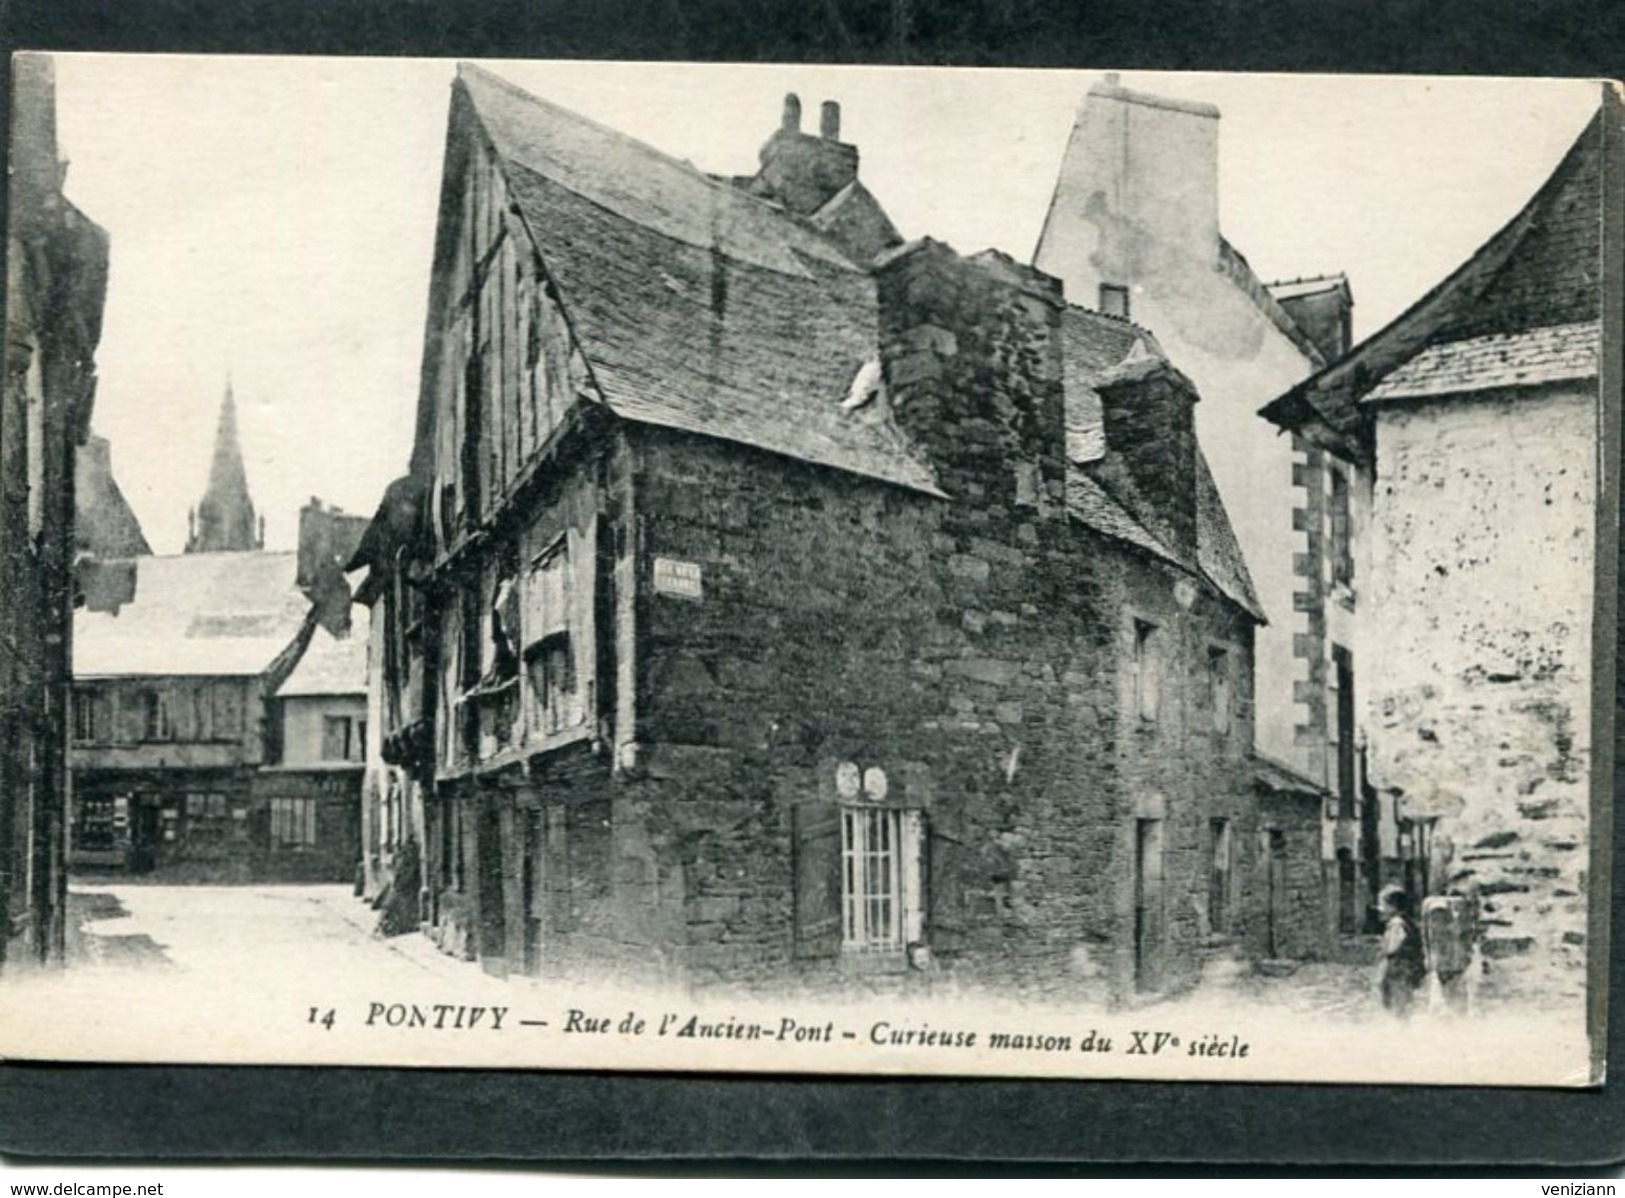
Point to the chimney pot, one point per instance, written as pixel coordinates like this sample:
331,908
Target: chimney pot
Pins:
829,121
792,113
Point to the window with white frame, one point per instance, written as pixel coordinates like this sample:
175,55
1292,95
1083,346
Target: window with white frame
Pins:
872,873
859,864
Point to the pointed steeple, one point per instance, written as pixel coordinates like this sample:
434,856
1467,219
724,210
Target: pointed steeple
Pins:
225,515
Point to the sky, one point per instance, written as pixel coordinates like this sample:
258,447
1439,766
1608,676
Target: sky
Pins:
272,219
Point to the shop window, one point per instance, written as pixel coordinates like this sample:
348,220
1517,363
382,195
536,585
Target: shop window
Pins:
207,820
293,823
95,830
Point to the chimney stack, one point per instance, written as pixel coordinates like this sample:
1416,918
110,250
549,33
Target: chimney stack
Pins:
1139,170
800,171
829,121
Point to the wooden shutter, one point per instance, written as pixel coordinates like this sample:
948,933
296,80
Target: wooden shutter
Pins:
946,864
818,879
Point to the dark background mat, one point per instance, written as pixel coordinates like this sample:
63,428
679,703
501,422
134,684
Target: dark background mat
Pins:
175,1113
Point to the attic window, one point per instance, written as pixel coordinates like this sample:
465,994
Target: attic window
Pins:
1114,300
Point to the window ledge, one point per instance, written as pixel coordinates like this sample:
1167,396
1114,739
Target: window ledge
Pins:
870,961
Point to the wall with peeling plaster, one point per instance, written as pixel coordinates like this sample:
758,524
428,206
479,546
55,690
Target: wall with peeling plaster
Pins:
1479,697
1136,204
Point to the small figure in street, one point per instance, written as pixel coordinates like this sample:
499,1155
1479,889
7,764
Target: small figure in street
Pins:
1403,964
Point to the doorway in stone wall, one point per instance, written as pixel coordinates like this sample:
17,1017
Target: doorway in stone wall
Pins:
533,885
1149,941
1348,893
1274,890
491,915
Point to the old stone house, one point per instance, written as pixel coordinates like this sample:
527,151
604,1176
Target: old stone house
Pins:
771,601
1133,225
1472,422
56,278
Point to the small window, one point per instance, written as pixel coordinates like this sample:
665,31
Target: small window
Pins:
1218,688
859,872
342,738
228,710
293,823
552,673
156,723
89,716
1342,553
1147,688
1114,300
1221,874
1341,732
871,864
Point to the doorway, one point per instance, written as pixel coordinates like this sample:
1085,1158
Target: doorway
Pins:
1274,890
533,885
1148,906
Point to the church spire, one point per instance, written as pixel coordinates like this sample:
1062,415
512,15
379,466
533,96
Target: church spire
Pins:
225,516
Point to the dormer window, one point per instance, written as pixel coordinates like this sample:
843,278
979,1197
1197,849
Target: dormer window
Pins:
1114,300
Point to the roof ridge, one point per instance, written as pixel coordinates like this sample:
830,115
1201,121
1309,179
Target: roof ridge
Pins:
1475,274
720,187
1233,265
1329,277
507,85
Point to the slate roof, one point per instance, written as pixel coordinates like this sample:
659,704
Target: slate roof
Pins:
1550,355
1282,778
1235,266
1541,271
332,665
227,614
1096,348
697,306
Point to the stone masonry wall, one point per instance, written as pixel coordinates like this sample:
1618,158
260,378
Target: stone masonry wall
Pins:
1480,651
972,647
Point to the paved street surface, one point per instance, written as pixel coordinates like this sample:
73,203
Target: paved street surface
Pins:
264,936
250,934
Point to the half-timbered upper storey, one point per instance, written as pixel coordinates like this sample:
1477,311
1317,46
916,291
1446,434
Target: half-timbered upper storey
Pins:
586,286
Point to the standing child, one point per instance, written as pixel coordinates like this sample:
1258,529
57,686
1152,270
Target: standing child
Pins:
1403,967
